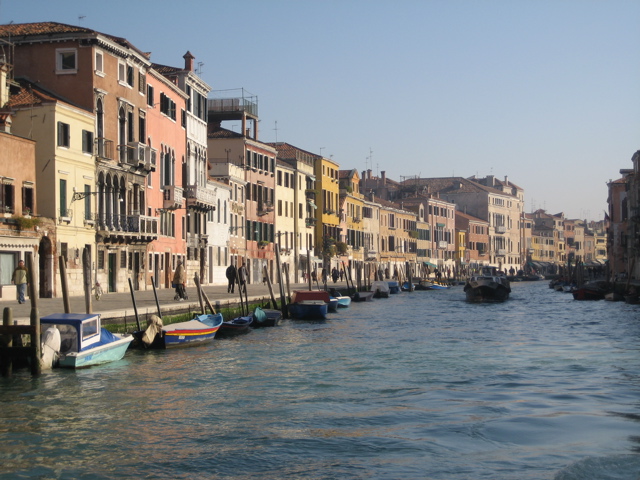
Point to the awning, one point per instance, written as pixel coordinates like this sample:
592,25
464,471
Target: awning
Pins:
311,177
429,264
310,202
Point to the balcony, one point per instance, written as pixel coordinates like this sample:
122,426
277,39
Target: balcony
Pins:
65,215
127,155
264,208
443,244
200,197
197,240
310,221
501,229
245,102
501,252
172,197
151,159
104,148
116,228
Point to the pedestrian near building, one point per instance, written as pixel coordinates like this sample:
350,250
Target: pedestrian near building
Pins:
335,275
180,281
19,279
243,275
231,274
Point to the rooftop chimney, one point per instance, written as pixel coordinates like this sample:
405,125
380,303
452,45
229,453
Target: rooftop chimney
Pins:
383,174
506,180
4,86
188,61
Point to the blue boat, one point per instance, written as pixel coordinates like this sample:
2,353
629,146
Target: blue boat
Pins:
202,329
394,287
343,301
83,342
309,310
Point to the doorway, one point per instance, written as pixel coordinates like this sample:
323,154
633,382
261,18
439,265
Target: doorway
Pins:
112,272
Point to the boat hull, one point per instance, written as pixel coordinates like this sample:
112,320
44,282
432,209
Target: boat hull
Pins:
232,328
485,293
271,318
343,301
198,331
363,296
106,353
309,310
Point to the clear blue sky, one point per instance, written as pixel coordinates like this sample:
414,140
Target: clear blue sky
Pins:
546,92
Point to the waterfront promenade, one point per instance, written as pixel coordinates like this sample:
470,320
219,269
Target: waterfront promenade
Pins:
117,307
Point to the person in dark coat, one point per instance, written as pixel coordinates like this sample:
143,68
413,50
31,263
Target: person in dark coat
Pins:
243,275
335,275
231,277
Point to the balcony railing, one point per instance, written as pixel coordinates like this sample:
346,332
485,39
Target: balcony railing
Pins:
501,229
173,196
129,223
65,214
128,155
310,221
200,196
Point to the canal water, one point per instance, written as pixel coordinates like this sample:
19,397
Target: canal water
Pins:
420,385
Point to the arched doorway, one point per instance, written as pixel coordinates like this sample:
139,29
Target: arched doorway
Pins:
45,263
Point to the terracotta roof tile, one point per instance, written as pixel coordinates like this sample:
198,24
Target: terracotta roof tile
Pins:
223,133
19,31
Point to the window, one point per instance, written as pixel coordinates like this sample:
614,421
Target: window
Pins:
142,83
87,141
122,72
7,198
63,135
99,62
27,199
130,75
63,197
167,106
142,127
66,60
150,96
87,202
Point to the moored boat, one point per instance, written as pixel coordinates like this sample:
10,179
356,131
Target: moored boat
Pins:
199,331
264,317
309,305
309,310
487,286
394,287
380,289
83,342
235,326
363,296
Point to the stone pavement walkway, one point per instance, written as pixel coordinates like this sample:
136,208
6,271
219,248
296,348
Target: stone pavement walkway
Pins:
114,307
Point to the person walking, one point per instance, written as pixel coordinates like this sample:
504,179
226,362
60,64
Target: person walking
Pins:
335,275
243,275
231,274
19,279
180,281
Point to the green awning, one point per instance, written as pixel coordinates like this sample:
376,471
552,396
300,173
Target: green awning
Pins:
429,264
